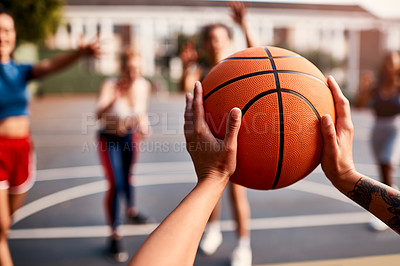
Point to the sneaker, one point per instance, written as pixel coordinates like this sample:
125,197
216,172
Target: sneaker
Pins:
212,239
116,252
140,218
241,256
377,225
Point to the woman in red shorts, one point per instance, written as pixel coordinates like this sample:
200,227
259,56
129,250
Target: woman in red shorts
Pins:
17,163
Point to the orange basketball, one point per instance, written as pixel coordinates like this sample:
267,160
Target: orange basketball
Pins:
282,96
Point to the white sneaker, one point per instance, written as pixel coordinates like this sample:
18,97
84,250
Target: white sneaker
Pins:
377,225
241,256
212,239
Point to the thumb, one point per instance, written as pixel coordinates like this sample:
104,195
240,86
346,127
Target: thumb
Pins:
232,129
328,133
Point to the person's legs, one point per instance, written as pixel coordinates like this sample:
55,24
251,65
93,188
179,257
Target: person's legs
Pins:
387,174
386,147
5,223
383,137
212,237
16,201
241,209
106,152
214,217
17,173
129,154
111,159
130,157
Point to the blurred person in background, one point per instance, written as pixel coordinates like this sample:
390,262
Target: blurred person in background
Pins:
385,140
122,111
17,160
217,40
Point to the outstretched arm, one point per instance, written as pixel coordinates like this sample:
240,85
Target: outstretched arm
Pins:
337,163
176,239
49,66
239,16
189,57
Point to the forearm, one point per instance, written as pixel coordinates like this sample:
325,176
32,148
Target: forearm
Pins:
49,66
176,239
247,34
379,199
189,77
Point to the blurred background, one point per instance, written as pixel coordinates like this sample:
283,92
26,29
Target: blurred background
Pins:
343,38
62,221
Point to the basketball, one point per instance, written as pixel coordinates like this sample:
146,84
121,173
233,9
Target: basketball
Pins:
282,96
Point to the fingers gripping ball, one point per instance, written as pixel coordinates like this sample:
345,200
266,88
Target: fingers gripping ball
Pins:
282,97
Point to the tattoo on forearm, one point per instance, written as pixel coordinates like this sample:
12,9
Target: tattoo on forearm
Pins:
393,200
363,192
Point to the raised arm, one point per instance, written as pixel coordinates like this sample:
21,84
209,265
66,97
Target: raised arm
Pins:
239,16
49,66
365,90
190,74
337,163
176,239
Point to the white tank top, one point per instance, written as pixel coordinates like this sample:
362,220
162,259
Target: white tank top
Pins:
122,108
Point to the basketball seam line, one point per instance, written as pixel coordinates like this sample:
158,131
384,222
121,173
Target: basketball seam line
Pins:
259,57
254,74
305,100
281,124
265,93
256,98
283,90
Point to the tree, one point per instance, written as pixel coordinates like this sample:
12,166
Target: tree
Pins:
35,20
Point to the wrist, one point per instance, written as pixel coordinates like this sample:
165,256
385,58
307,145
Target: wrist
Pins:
345,181
215,179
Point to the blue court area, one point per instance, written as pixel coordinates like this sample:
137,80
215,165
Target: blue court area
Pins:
62,221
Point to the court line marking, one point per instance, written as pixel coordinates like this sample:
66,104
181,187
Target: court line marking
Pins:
284,222
179,177
82,191
101,186
96,170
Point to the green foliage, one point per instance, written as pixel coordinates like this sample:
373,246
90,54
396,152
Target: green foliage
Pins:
79,78
34,19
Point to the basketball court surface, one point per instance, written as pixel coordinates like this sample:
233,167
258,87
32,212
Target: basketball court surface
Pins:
62,221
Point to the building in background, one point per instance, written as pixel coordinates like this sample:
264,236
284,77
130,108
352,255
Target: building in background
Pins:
349,35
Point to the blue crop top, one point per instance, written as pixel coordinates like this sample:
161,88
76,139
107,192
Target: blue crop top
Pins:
13,91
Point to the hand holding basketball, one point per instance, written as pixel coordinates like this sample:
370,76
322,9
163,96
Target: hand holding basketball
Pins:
211,156
337,157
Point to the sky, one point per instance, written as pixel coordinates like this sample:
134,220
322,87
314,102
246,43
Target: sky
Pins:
383,8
